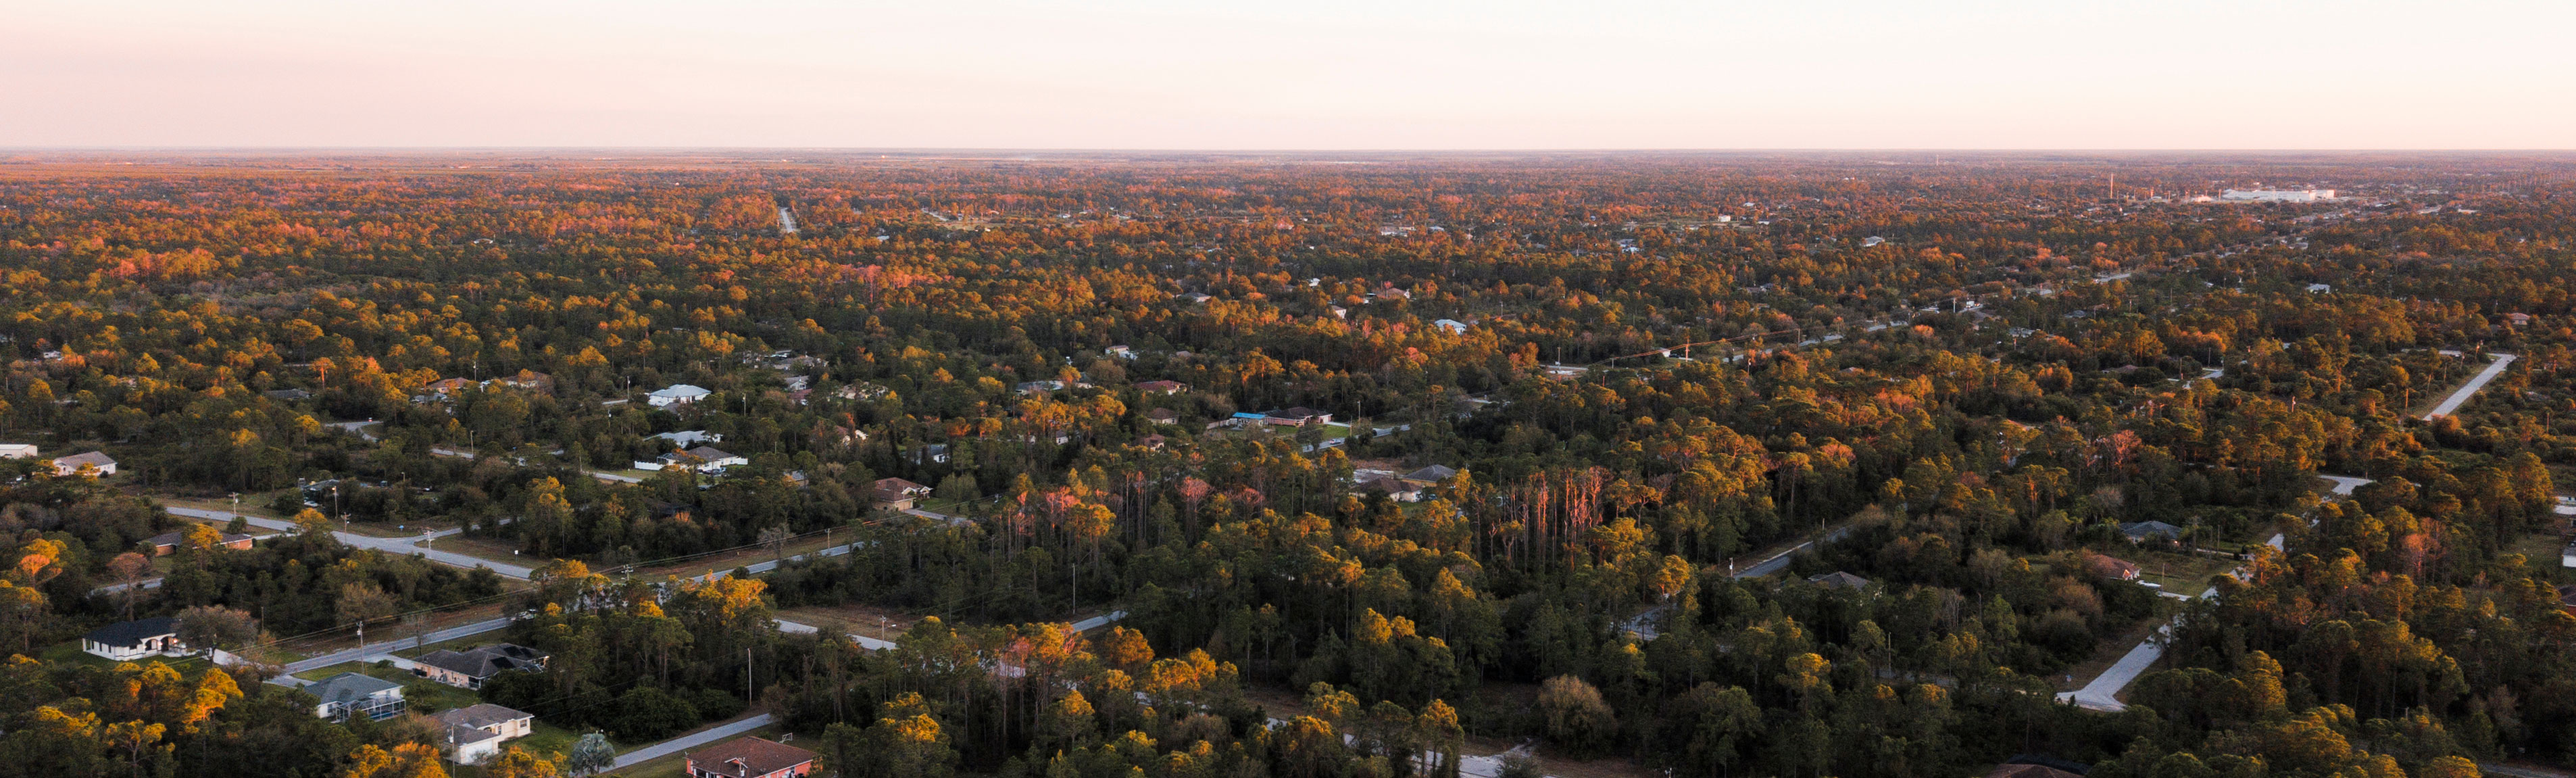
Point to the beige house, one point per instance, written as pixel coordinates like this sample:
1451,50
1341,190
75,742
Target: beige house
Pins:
476,732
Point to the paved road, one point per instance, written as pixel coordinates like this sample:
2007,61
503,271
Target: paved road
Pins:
1096,622
373,650
2518,771
2461,397
148,583
402,545
2102,693
763,567
689,741
2344,484
359,427
1780,561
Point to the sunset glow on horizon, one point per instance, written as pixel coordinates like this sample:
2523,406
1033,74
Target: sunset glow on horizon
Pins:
1156,74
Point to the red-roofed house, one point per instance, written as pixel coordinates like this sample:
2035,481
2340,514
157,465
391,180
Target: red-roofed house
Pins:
750,757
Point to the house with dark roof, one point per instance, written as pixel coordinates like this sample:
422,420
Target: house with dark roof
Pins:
128,641
1394,489
1431,476
288,394
2038,766
750,757
898,494
1838,580
476,732
168,543
2143,531
470,668
350,695
1297,417
1162,416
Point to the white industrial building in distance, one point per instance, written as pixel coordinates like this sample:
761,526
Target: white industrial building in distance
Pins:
2276,195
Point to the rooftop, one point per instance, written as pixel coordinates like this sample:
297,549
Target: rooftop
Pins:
747,757
132,632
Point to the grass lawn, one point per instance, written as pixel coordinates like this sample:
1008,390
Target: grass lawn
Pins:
487,548
547,740
2184,574
2539,551
70,651
424,696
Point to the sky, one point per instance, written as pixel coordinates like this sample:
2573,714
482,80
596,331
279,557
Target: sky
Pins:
1310,74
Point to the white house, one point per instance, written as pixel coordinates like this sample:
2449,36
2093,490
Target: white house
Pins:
689,438
350,695
1454,326
134,640
476,732
71,465
17,450
677,394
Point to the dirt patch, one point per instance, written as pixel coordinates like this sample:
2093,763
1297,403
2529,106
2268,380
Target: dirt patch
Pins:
853,619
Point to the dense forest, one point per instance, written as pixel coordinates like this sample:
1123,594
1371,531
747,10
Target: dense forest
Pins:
1776,465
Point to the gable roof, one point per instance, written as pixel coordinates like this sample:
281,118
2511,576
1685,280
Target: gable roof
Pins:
485,661
2146,529
350,687
482,714
756,756
709,453
134,632
1838,580
99,458
1432,473
681,390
